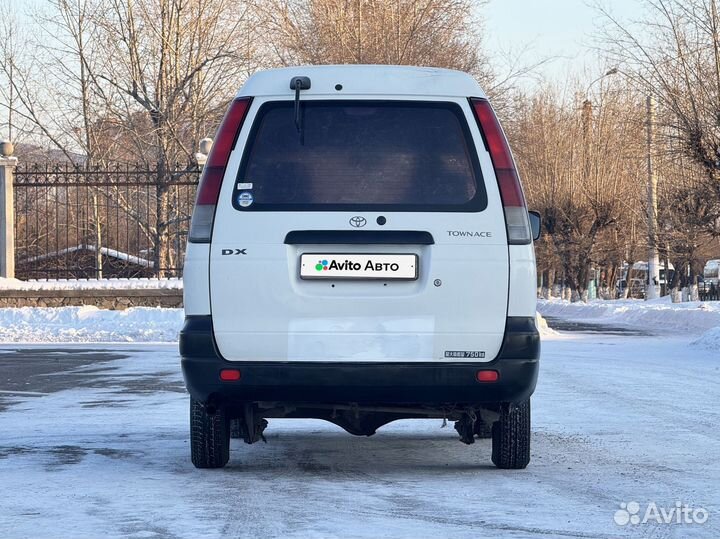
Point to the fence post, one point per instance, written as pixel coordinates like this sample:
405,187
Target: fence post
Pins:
7,210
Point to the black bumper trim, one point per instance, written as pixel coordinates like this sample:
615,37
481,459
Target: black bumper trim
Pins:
424,384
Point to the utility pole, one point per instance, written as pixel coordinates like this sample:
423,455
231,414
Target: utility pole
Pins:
12,104
587,116
653,270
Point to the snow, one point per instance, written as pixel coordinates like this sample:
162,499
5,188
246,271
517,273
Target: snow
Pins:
153,324
710,340
108,456
90,284
89,324
660,315
542,325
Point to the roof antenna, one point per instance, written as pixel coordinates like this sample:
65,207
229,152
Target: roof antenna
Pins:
297,84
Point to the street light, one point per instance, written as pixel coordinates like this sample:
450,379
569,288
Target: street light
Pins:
612,71
653,269
586,128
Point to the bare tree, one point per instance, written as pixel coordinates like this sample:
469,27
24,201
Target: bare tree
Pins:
674,53
686,212
134,80
176,62
580,166
441,33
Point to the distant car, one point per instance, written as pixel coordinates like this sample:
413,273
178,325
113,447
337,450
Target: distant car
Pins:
360,252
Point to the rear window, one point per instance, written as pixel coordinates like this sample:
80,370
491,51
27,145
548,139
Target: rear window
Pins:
351,155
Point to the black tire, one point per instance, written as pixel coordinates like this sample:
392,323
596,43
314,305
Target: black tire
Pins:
481,429
511,437
209,436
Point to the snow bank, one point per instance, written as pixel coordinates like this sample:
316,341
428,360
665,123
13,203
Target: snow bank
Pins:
89,324
661,315
542,325
89,284
710,340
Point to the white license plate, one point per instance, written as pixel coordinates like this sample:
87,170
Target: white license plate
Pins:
356,266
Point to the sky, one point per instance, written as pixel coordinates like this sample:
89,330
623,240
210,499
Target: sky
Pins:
559,29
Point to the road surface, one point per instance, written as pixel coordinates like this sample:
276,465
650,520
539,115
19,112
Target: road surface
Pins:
94,443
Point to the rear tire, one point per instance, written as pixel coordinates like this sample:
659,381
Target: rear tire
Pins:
209,436
511,437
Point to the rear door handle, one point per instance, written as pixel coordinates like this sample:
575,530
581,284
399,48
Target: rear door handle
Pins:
356,237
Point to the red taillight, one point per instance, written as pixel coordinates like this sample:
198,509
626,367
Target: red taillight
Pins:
510,187
214,170
209,187
230,375
518,226
487,376
507,176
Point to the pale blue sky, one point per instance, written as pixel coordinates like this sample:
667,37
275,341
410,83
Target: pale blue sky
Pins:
552,28
559,29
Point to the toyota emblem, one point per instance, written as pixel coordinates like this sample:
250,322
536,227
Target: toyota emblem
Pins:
358,221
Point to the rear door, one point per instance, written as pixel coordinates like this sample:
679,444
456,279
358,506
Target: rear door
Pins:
370,230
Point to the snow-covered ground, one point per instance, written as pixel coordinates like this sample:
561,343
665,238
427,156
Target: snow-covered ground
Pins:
150,324
89,284
661,315
88,324
700,319
100,449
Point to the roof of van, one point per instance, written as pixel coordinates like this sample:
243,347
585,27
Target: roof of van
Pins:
363,80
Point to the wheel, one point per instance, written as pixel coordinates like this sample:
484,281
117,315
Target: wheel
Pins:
482,429
209,436
511,437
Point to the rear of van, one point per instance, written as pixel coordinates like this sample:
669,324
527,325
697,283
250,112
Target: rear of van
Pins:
360,252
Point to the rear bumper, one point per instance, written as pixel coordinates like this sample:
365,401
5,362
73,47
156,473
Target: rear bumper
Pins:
392,384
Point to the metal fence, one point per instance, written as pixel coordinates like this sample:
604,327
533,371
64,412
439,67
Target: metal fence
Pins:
117,221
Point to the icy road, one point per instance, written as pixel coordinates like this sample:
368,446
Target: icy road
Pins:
94,443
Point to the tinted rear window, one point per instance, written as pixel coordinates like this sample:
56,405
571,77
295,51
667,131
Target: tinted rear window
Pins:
402,156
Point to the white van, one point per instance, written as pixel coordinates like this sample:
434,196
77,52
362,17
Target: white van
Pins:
711,272
637,278
360,252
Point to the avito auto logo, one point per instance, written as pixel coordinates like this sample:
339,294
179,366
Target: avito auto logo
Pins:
348,265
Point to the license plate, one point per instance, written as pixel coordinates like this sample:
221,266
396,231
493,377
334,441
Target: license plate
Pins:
358,266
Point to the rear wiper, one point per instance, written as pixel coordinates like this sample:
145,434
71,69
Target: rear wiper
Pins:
297,84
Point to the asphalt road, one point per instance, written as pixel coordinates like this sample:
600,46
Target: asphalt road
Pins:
94,443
